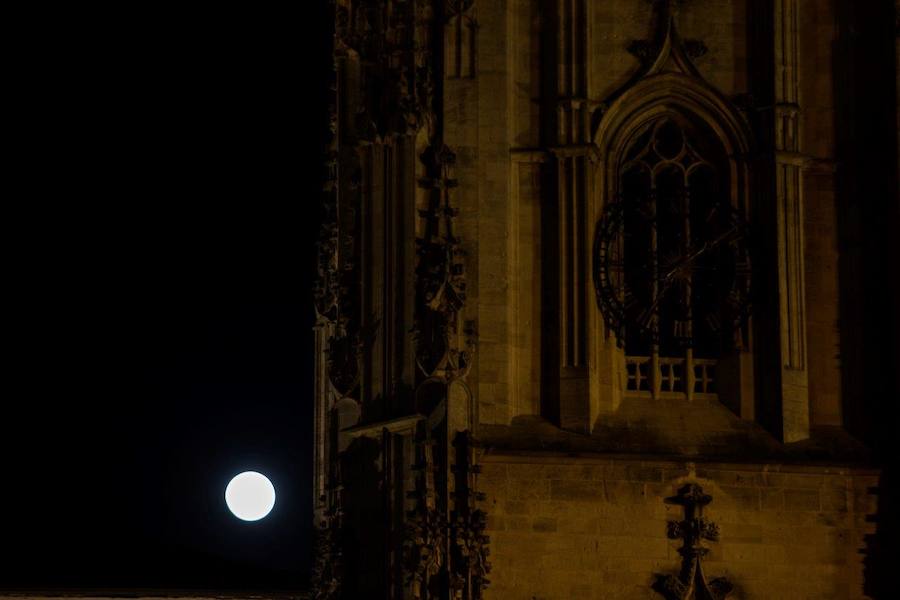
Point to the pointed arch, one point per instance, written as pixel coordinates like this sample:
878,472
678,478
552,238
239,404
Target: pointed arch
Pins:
671,88
671,82
654,95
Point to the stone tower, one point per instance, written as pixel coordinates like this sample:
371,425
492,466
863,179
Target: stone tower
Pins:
583,325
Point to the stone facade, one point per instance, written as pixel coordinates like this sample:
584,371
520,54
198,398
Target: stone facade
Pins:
494,417
564,527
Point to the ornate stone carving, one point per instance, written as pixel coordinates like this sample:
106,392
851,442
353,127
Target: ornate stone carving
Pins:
336,289
325,579
695,48
392,39
442,554
424,552
469,555
325,291
426,529
339,272
648,50
644,50
343,363
326,573
440,271
390,55
691,583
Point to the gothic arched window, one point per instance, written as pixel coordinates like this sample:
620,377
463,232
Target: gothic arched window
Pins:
672,262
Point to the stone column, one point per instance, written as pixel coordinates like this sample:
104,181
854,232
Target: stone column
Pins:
572,151
779,276
789,226
321,399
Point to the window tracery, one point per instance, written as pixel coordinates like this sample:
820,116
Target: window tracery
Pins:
672,260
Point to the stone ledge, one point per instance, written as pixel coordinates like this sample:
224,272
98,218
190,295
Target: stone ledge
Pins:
491,455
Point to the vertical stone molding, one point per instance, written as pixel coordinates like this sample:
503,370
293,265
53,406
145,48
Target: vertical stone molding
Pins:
792,421
461,36
572,152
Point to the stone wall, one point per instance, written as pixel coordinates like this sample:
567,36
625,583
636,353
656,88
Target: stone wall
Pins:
566,527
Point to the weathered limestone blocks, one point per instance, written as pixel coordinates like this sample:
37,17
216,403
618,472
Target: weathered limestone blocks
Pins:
592,527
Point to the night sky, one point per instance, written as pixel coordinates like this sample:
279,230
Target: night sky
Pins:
158,265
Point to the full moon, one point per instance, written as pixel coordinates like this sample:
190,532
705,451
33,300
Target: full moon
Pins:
250,496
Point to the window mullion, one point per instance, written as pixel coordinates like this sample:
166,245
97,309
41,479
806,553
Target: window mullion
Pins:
688,376
655,371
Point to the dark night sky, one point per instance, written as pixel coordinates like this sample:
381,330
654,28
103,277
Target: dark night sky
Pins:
158,263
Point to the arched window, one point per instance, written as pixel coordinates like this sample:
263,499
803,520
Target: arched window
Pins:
673,262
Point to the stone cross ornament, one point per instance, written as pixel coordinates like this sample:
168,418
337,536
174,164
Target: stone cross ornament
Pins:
690,583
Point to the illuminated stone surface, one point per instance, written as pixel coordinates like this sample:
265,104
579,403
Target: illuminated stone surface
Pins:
467,372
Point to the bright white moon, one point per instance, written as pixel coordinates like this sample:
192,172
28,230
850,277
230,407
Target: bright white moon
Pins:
250,496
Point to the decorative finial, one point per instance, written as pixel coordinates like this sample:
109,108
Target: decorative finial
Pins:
650,51
667,7
694,529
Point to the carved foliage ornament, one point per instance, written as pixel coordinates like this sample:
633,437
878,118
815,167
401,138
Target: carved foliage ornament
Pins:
424,552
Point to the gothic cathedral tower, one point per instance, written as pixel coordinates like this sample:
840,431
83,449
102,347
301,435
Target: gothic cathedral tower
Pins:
582,312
